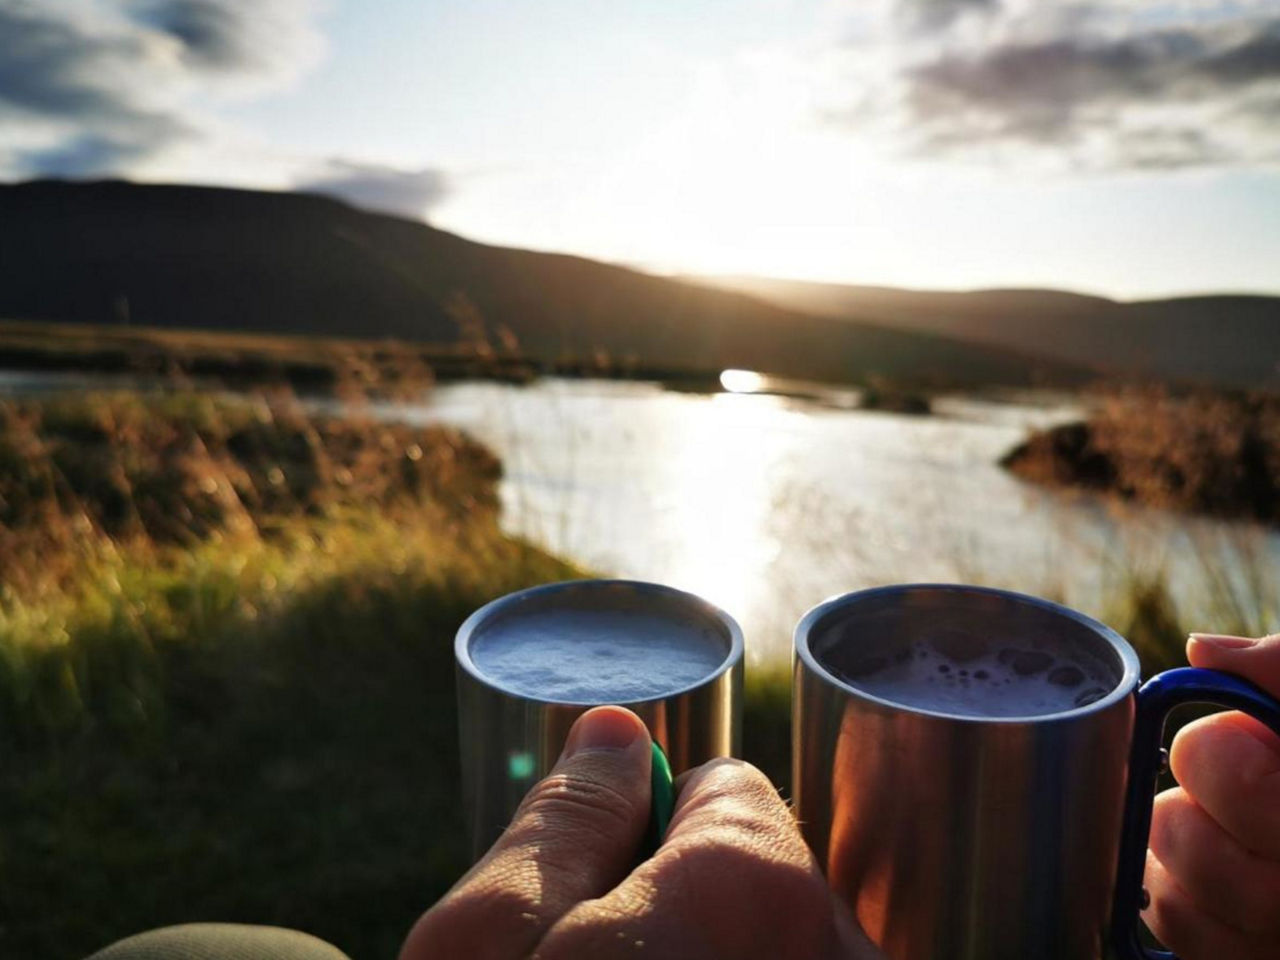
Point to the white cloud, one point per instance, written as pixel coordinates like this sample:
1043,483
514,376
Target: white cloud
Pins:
268,42
1107,85
96,88
406,193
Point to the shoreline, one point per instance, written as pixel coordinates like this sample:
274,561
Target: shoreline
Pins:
382,368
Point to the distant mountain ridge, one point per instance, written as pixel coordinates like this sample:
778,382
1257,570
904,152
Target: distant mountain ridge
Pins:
1225,339
222,259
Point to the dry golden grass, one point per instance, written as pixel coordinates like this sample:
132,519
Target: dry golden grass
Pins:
226,682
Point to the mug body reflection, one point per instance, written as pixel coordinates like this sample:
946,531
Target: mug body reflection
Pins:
953,830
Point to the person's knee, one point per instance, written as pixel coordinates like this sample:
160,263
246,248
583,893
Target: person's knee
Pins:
220,941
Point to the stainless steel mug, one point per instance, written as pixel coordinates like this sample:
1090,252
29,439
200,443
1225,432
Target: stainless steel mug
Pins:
511,738
956,837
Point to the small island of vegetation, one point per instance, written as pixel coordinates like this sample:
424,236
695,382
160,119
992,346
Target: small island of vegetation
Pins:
1214,452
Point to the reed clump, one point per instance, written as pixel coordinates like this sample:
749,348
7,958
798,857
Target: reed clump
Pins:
173,469
1206,451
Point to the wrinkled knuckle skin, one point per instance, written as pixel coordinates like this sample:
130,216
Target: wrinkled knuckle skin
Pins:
470,921
735,859
732,785
579,803
738,833
744,897
731,775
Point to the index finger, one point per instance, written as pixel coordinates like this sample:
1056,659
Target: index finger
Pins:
1230,764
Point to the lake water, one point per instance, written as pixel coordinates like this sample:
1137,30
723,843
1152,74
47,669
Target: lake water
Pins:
766,505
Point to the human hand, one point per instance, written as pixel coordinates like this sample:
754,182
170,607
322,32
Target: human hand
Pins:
1213,869
732,878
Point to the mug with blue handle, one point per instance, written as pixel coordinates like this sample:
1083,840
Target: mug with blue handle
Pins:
956,836
1156,699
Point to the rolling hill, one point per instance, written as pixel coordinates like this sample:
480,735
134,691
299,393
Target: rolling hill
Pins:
1229,340
181,257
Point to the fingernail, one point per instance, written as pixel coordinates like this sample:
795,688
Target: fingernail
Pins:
604,728
1223,641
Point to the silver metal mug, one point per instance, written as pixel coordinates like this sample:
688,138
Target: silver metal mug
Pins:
956,837
509,741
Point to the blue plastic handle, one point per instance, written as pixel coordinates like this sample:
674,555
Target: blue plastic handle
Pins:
1156,699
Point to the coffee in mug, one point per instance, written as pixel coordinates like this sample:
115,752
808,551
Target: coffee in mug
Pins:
596,656
530,663
970,672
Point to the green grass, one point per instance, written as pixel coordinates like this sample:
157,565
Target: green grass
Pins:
252,732
226,673
766,722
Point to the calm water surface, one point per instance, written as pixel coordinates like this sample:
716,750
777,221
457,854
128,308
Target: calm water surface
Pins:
766,505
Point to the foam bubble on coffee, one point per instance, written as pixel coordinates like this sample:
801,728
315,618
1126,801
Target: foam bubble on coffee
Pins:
592,657
956,673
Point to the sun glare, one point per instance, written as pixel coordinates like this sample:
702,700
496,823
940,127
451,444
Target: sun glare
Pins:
741,381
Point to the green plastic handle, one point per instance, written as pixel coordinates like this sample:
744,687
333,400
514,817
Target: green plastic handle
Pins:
663,802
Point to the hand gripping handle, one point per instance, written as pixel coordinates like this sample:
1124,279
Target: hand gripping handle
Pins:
1158,696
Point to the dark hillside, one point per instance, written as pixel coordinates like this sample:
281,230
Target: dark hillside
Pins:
1231,340
206,258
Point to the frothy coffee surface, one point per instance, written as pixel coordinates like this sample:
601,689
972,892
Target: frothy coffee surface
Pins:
579,656
957,673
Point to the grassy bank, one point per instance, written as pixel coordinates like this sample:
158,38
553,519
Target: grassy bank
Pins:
257,731
225,666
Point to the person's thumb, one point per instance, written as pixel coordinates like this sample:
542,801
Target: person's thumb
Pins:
574,837
1255,659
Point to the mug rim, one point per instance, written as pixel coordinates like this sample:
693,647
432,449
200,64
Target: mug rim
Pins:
477,620
1124,686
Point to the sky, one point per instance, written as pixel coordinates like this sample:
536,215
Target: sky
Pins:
1119,147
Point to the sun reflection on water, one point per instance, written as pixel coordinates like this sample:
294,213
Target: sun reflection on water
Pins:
722,496
742,381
